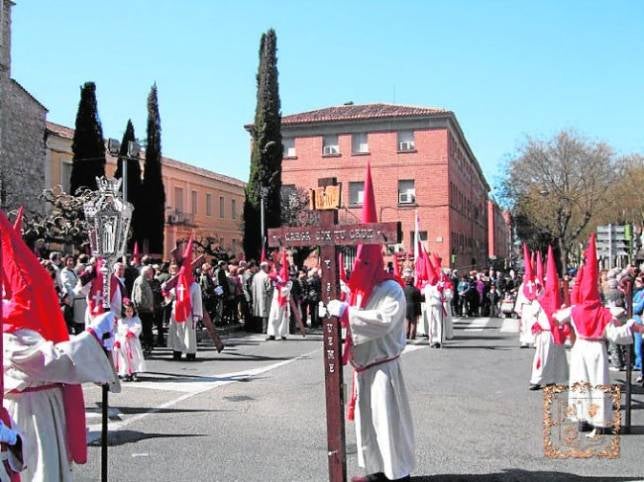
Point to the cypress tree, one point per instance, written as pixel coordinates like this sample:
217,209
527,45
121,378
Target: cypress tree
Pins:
266,155
133,180
153,202
88,144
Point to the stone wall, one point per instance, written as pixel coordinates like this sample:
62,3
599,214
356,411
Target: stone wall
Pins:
23,153
22,133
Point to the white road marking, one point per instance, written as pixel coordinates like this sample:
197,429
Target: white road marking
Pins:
510,325
221,380
477,324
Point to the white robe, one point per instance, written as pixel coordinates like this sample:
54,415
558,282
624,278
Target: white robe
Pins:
261,291
128,355
523,308
434,318
31,361
279,316
549,364
447,305
183,336
589,364
384,427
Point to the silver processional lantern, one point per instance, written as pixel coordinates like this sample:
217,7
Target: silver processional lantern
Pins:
108,219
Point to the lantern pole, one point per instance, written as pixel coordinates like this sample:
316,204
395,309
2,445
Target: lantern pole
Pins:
109,222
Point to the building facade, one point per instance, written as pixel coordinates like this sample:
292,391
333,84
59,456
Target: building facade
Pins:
198,201
499,232
421,163
22,132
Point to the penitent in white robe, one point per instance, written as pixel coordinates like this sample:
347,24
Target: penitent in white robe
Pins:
549,364
522,308
384,427
30,362
434,318
128,355
182,337
447,310
279,316
589,364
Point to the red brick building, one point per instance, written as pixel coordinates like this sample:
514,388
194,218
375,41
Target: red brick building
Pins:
499,232
420,160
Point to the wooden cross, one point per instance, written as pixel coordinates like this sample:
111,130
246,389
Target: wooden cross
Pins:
328,235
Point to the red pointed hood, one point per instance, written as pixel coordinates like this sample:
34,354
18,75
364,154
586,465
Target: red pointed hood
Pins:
368,267
397,275
574,294
284,268
529,289
550,299
136,254
31,301
341,270
589,315
183,303
540,279
17,223
431,273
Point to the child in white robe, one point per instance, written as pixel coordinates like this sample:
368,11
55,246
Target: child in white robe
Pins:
128,354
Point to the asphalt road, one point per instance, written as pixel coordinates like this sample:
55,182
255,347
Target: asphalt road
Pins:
255,412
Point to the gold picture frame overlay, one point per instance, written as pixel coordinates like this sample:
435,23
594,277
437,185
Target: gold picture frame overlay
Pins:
552,451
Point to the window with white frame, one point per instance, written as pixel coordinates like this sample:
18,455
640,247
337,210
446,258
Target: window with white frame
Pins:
222,207
356,193
66,175
178,199
330,146
406,141
193,202
289,147
208,204
359,144
406,191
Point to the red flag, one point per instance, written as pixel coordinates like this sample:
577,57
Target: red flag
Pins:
183,304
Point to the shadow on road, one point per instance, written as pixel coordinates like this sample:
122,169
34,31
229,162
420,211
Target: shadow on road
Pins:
122,437
516,475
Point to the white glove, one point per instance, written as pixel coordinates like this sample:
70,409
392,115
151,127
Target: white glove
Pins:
219,291
337,308
630,323
322,313
7,435
103,326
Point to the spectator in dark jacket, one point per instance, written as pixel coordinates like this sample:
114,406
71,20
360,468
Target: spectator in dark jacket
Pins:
413,298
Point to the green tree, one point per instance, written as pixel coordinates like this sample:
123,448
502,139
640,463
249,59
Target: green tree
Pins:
134,183
266,155
153,202
88,144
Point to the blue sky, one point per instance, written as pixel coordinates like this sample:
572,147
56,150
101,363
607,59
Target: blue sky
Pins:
506,68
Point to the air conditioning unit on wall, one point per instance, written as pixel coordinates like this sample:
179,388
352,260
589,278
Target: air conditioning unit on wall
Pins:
406,198
331,150
406,146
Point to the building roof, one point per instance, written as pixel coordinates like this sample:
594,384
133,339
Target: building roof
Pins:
60,130
352,112
68,133
19,86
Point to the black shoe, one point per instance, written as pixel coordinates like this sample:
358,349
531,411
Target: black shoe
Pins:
534,386
269,338
191,356
584,426
283,338
176,355
135,377
603,430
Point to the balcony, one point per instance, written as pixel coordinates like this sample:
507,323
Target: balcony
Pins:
179,218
